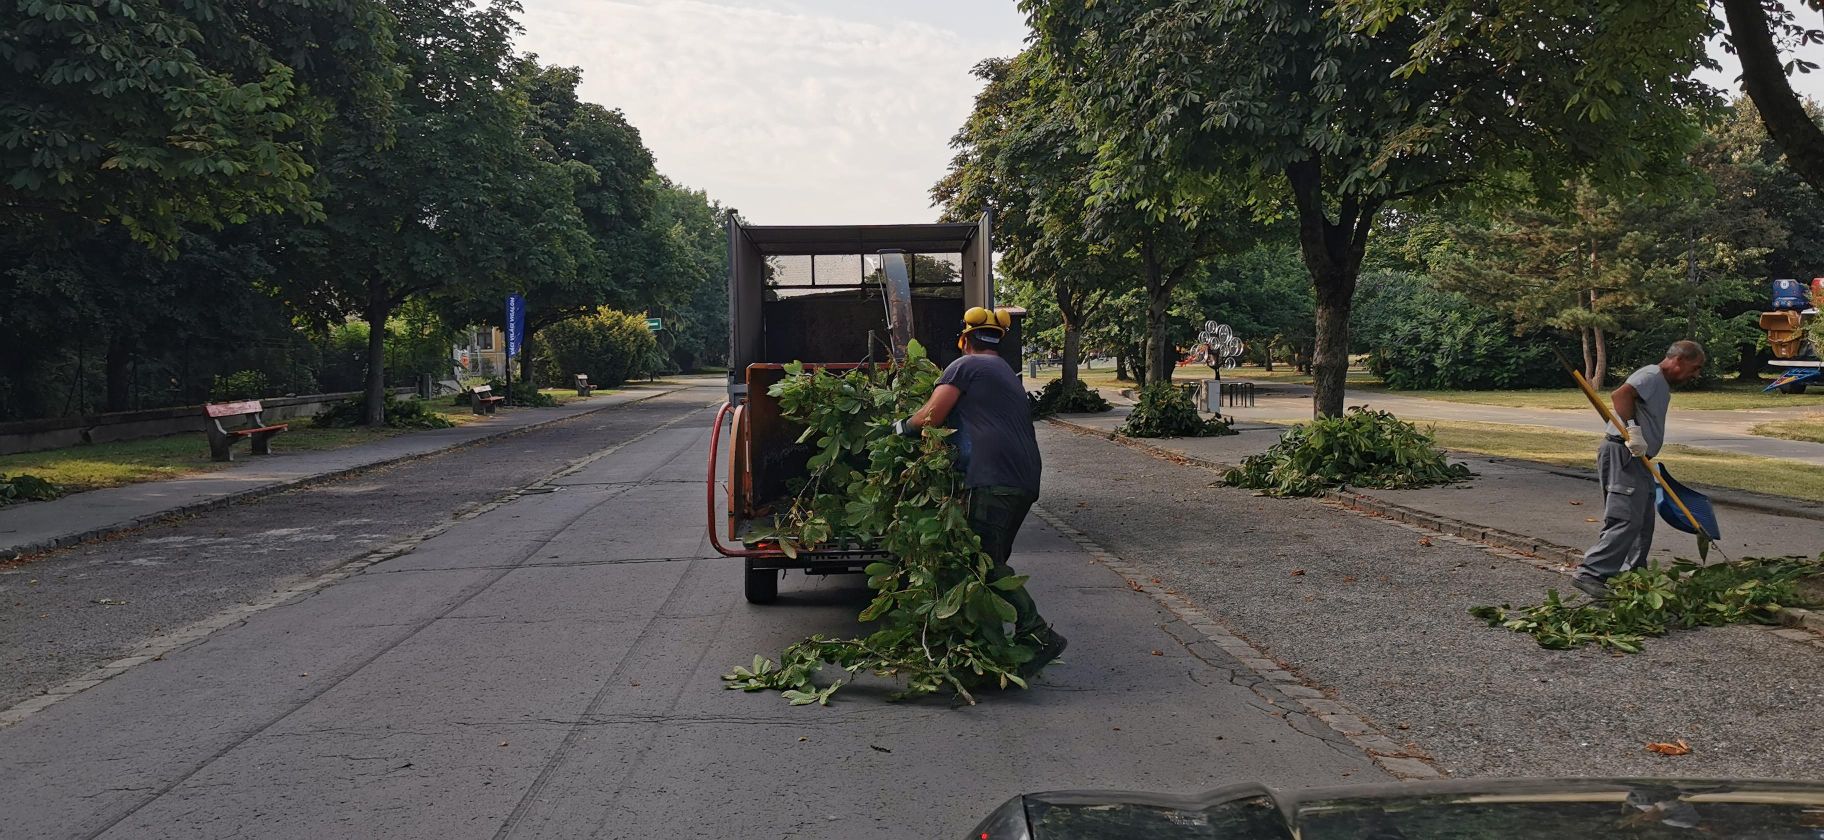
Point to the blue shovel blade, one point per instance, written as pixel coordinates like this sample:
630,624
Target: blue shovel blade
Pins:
1698,503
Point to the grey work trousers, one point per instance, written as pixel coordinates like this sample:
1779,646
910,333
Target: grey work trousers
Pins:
1627,514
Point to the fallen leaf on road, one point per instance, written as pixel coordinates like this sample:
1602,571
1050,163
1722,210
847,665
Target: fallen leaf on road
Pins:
1135,586
1678,747
110,602
1298,572
1576,502
1155,580
503,743
1424,541
1158,653
802,738
1589,519
1348,578
879,749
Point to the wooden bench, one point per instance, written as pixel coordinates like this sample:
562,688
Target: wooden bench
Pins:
482,399
583,388
222,438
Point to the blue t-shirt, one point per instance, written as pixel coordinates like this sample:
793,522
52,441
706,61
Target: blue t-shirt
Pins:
994,421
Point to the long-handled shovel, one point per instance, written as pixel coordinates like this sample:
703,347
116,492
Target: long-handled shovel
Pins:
1706,533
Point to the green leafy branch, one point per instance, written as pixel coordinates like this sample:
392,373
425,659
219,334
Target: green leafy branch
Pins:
942,621
1654,601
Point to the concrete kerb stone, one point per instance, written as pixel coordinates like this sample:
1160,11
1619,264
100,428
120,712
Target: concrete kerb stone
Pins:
158,647
77,538
1507,544
1405,763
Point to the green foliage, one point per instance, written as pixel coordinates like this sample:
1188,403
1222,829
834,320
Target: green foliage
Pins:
941,622
156,114
611,346
240,385
400,414
1362,448
15,489
1056,398
1653,601
1166,410
1423,338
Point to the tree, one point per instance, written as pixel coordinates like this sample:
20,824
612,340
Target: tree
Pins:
1263,295
154,115
1324,112
457,205
694,299
1022,153
587,206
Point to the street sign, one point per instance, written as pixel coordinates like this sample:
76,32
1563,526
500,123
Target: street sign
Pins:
654,325
516,323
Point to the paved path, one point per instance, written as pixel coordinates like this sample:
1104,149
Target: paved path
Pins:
1556,505
549,668
1721,430
41,525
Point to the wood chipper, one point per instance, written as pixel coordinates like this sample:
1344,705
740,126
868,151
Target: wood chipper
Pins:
836,297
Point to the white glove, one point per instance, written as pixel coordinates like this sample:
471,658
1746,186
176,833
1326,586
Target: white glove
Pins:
1637,445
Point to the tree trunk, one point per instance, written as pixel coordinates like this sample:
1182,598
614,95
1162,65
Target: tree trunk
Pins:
1589,355
1073,346
1137,364
1330,362
1332,253
118,365
1160,358
1121,374
1266,361
1764,78
1601,376
1750,364
378,307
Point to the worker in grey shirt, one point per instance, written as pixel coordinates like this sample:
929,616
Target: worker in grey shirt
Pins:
980,395
1627,486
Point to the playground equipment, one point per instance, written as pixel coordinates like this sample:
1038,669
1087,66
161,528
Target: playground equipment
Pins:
1787,324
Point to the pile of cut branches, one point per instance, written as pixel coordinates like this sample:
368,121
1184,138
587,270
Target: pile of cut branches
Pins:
1057,398
1165,410
942,622
1653,601
1361,448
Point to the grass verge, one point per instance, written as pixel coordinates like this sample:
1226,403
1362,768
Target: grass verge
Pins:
1809,429
1575,449
118,463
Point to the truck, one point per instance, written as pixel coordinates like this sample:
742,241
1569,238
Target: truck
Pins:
835,297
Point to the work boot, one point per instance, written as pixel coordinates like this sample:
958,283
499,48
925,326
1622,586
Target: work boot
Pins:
1046,644
1593,587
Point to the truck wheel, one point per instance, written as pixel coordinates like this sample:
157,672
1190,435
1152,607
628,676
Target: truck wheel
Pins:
762,584
1793,388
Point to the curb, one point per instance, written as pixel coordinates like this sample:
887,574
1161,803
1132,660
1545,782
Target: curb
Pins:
1284,688
26,550
1546,555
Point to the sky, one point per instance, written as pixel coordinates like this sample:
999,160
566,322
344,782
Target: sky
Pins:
806,111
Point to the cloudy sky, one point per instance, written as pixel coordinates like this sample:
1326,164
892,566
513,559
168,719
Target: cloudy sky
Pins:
798,111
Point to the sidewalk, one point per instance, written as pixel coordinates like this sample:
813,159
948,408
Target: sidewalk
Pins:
40,526
1725,431
1545,510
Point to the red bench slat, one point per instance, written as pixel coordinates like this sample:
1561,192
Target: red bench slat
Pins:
232,409
282,427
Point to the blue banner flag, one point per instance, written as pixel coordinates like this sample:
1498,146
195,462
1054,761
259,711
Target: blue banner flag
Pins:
516,323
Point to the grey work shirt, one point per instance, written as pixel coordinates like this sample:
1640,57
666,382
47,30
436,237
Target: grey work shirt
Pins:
1655,396
995,421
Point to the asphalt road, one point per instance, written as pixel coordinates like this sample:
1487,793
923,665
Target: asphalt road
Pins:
549,667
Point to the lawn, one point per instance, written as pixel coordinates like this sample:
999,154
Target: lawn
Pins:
116,463
1809,428
1727,396
1575,449
1723,396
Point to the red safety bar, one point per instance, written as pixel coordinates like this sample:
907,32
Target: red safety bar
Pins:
715,452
